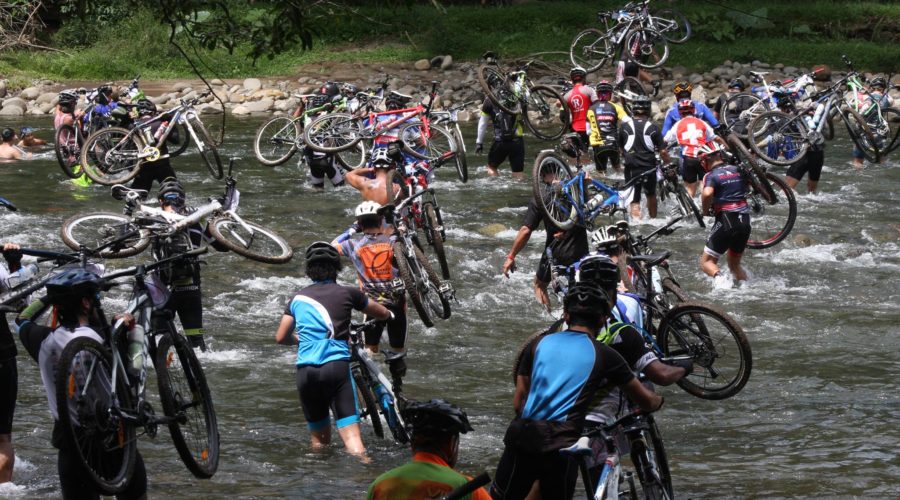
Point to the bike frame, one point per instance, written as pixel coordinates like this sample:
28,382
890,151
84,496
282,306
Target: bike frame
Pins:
381,384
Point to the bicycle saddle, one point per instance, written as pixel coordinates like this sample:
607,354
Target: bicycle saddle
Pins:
581,447
120,192
758,73
653,259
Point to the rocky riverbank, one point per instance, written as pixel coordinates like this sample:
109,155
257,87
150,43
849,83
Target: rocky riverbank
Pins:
458,84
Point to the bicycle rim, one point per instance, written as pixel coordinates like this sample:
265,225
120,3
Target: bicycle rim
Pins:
673,25
431,293
67,151
770,224
779,138
354,157
436,238
550,172
411,283
688,206
498,90
461,162
276,140
741,109
97,229
432,143
652,49
208,150
251,241
110,156
332,133
891,135
395,422
591,49
861,134
546,113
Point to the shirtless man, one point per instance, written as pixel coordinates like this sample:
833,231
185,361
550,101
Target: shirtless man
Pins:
372,182
8,148
29,140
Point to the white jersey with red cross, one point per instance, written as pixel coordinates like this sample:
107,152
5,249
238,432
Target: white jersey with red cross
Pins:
691,133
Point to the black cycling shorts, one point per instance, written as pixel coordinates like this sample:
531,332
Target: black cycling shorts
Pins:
513,149
517,472
811,163
187,302
156,171
730,232
602,155
396,327
631,69
691,170
327,386
9,390
543,273
647,183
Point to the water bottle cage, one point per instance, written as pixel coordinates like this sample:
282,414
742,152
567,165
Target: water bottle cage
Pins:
397,286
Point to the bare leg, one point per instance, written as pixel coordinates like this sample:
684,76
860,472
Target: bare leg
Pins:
651,206
691,187
319,439
353,440
7,458
492,170
709,264
858,163
792,182
734,263
540,292
812,186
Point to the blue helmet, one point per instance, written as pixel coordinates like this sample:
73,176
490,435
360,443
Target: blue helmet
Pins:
73,284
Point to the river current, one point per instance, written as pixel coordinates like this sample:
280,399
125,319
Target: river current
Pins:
818,417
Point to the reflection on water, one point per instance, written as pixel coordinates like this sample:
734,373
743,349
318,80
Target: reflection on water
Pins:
821,316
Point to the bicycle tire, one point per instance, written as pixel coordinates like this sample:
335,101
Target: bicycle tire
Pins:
371,409
758,175
737,119
410,283
496,87
688,206
462,163
185,395
659,453
892,118
184,140
438,143
548,195
85,417
354,157
207,148
332,133
651,483
110,156
776,228
584,45
111,227
673,289
685,330
649,56
436,301
394,420
435,236
67,150
681,23
784,131
232,234
861,134
631,84
276,140
546,102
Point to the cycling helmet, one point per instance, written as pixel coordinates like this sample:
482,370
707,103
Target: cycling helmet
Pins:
436,416
685,107
737,83
710,148
104,95
171,191
381,158
878,81
73,284
349,89
7,134
604,90
587,296
598,269
367,208
146,107
577,71
68,97
640,104
605,238
330,89
396,100
682,86
321,251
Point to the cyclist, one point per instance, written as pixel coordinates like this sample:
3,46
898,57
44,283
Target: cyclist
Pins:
436,425
812,164
877,95
735,86
376,183
75,294
691,133
8,148
66,109
724,194
28,140
372,254
322,165
682,91
557,379
640,141
603,119
317,321
509,140
161,169
9,375
579,98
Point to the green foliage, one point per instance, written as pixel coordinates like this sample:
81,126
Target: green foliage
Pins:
711,26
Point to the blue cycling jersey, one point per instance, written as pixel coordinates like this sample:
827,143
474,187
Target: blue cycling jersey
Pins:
321,315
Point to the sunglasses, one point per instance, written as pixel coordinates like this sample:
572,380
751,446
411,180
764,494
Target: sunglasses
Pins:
173,198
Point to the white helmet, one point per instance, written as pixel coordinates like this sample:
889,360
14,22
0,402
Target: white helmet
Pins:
604,237
381,157
367,208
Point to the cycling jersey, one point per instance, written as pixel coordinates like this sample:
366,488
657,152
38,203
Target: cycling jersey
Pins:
630,344
372,256
730,189
579,99
321,315
640,140
427,476
700,110
48,357
691,133
567,249
603,118
506,126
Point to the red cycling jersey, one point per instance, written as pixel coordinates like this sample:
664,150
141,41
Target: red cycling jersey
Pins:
579,99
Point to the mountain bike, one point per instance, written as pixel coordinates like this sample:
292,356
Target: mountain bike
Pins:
425,213
429,295
669,185
449,118
515,93
101,390
374,388
140,221
115,155
884,121
629,32
742,108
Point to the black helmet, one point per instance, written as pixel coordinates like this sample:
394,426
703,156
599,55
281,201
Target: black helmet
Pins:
436,416
73,284
587,296
737,83
172,191
67,97
604,86
321,251
682,87
349,89
396,100
104,95
598,269
330,89
878,81
640,104
146,107
577,71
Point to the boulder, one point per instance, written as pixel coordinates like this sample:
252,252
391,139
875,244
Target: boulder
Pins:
30,93
778,66
695,78
190,95
187,90
235,88
492,229
446,62
267,93
35,111
236,98
790,70
160,99
210,108
12,110
260,106
464,116
3,90
802,240
286,104
252,84
46,97
240,110
46,107
178,87
216,81
422,65
15,101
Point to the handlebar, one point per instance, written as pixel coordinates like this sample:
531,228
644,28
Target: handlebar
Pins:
391,208
143,269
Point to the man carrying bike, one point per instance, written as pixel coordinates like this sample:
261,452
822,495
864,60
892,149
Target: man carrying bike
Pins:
724,194
9,374
322,165
317,321
640,141
579,98
691,133
161,169
735,86
436,426
682,91
75,294
877,95
557,378
372,254
509,140
376,183
601,125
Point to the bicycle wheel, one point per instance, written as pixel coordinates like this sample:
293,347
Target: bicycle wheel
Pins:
740,109
498,90
110,156
250,240
184,140
411,282
462,163
207,148
770,224
435,236
631,84
716,343
688,206
551,171
672,24
658,453
757,175
890,130
651,49
67,150
353,158
779,138
432,143
97,229
88,411
551,111
185,397
673,292
437,302
649,475
333,133
394,420
277,140
861,134
370,406
591,49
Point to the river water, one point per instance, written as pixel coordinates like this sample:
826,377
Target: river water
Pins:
818,418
